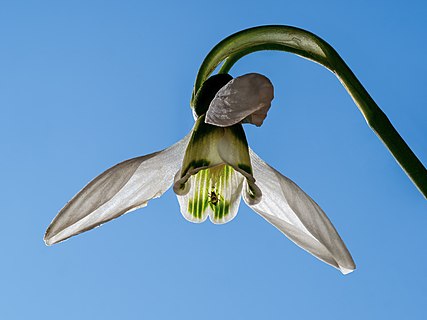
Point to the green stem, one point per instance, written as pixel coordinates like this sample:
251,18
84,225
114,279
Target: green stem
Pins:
310,46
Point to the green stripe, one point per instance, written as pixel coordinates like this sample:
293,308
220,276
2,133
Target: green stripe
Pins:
212,187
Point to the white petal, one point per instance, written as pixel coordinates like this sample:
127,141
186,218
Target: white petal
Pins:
201,153
123,188
246,98
211,146
234,151
213,192
293,212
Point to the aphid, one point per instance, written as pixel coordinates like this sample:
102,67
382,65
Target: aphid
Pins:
213,198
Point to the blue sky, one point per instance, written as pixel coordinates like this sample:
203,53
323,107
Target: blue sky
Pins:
87,84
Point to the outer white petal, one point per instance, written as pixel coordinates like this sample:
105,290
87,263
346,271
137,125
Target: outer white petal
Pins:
123,188
246,98
293,212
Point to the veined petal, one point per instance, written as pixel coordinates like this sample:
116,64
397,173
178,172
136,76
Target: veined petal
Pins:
214,167
213,192
233,150
293,212
123,188
201,153
246,98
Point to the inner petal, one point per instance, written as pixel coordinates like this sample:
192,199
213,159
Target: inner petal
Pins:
214,192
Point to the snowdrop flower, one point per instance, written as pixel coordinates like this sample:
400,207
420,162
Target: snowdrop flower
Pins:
210,170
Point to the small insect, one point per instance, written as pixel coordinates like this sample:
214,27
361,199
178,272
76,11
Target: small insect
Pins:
213,198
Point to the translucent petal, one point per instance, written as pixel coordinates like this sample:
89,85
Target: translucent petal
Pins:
246,98
201,153
122,188
293,212
233,150
213,192
211,146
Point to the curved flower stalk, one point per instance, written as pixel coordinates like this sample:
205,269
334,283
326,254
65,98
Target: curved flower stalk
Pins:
210,169
311,47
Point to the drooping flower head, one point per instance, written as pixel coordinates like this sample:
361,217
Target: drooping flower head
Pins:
210,169
216,166
212,166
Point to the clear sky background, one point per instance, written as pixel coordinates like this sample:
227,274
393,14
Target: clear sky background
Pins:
87,84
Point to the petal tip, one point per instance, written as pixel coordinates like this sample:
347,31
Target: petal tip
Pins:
345,270
48,241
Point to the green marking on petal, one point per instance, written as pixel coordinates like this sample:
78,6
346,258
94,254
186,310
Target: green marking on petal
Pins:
218,197
245,167
211,179
234,149
202,147
238,133
210,189
202,130
196,207
198,202
221,210
195,164
215,191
